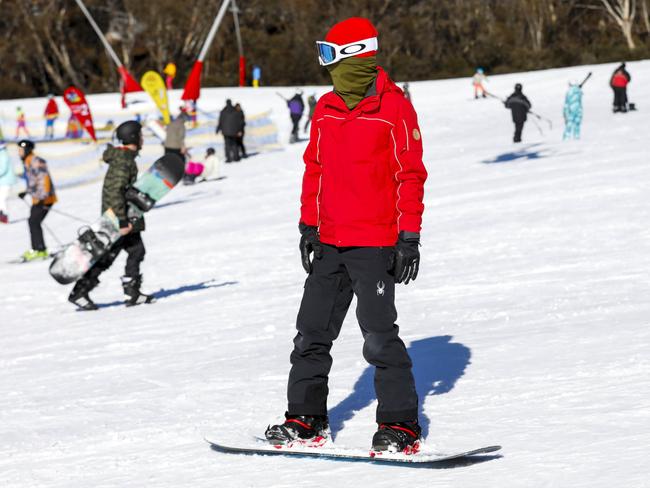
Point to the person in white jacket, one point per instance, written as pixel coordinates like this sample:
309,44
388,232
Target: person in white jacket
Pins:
211,166
7,180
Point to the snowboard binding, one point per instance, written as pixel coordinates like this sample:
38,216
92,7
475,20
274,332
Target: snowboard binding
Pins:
92,242
140,199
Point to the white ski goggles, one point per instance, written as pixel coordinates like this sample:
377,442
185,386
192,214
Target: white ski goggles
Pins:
329,53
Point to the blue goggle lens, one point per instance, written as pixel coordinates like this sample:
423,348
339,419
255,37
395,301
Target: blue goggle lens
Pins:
326,53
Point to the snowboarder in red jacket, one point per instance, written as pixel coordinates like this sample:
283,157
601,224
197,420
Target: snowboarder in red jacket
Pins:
360,217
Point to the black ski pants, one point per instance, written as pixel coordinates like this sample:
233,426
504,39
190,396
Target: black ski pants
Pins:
336,277
37,214
620,99
232,148
295,120
134,247
519,127
241,149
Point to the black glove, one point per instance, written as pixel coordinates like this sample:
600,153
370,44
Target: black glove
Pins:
309,242
22,194
406,258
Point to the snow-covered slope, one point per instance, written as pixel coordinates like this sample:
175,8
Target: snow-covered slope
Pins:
529,323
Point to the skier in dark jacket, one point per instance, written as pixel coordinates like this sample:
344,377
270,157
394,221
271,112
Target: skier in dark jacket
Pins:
361,215
122,173
519,105
619,81
296,108
231,124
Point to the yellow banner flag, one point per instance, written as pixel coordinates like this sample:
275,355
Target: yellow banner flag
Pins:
154,85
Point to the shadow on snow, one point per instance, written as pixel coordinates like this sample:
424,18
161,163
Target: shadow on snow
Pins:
163,293
528,152
437,364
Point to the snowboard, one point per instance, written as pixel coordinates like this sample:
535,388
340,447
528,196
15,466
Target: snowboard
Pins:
330,451
93,241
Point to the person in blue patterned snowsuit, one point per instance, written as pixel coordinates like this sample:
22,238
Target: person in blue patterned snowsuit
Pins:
573,112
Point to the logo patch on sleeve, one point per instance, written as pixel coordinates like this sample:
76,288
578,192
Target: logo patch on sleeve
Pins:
416,134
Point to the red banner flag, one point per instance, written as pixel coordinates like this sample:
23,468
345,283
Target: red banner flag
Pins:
76,101
192,89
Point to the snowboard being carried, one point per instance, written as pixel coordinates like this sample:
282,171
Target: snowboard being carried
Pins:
328,450
93,241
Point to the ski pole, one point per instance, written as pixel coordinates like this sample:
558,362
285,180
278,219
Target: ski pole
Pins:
538,127
281,96
72,217
49,231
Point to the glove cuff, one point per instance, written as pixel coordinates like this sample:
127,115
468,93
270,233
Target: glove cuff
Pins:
409,236
304,228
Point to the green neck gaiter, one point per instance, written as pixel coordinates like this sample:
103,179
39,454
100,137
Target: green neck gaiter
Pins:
352,78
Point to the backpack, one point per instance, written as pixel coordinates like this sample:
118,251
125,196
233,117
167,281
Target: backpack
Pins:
295,107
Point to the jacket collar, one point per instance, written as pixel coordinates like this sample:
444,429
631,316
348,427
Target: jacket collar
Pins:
382,84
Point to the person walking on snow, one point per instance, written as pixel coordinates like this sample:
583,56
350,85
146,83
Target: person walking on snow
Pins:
296,108
7,180
361,211
519,105
241,149
21,123
175,135
122,173
231,124
619,81
478,80
311,103
573,111
41,189
51,114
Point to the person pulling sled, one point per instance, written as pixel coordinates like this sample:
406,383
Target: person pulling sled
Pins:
361,213
122,173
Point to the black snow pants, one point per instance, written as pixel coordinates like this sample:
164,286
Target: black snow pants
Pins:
295,121
620,99
519,127
134,247
36,216
232,148
340,273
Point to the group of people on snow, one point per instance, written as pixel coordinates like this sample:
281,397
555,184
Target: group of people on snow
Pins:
520,106
349,245
232,124
296,107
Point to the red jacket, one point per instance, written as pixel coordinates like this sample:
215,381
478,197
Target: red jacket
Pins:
364,176
52,109
619,80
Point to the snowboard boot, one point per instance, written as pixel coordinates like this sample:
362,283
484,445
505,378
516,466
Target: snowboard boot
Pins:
397,437
131,287
79,294
33,255
307,430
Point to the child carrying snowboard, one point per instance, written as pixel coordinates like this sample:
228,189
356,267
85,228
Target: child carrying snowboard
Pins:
122,173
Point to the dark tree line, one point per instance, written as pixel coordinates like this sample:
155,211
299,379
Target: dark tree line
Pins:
48,44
